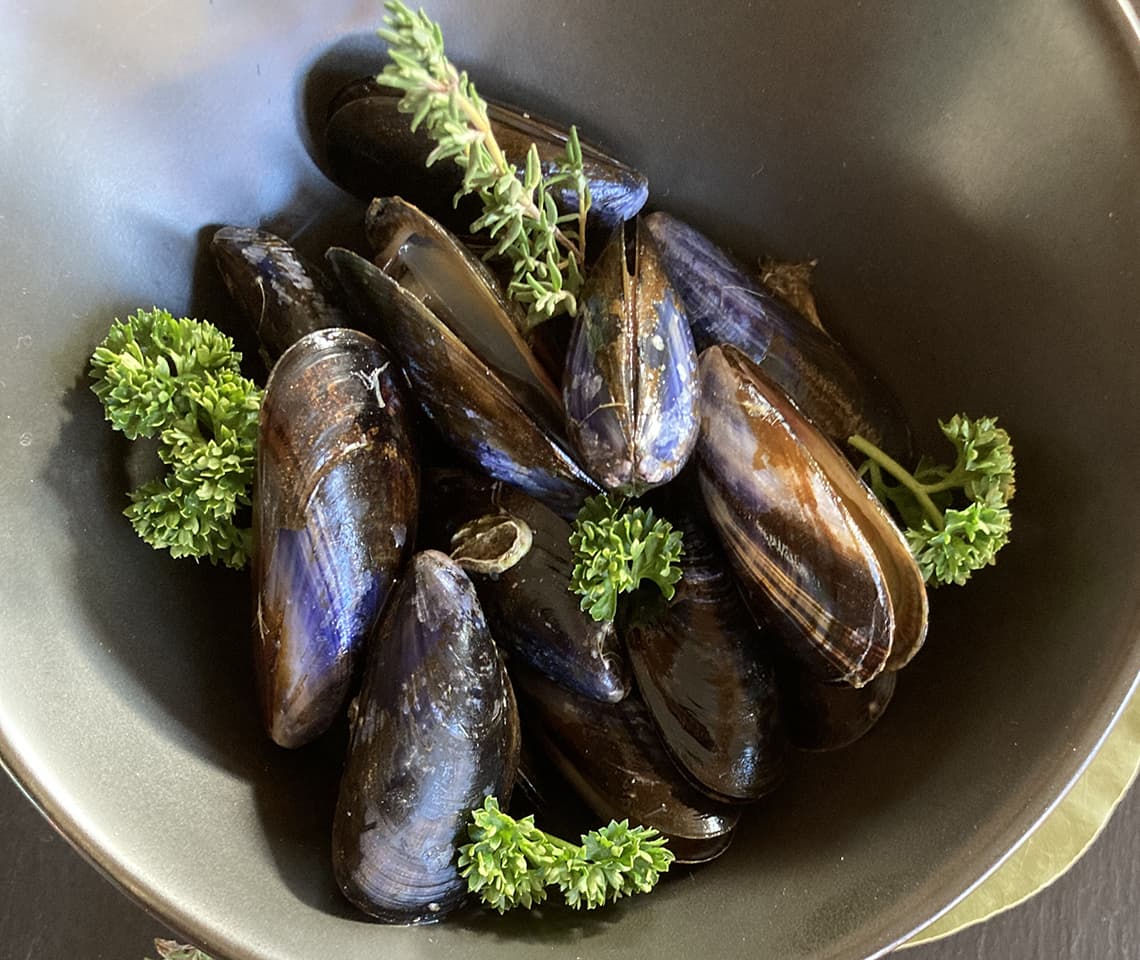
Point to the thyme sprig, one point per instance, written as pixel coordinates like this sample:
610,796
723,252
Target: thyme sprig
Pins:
546,248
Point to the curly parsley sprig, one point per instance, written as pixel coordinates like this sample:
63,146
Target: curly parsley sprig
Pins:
957,518
615,550
510,863
546,249
180,381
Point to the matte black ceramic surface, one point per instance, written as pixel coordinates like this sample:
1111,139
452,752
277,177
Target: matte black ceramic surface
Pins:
968,176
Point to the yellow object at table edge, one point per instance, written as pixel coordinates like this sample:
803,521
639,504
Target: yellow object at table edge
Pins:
1060,840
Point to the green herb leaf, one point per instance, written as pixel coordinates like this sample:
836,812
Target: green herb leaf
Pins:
180,380
956,517
546,251
510,863
615,550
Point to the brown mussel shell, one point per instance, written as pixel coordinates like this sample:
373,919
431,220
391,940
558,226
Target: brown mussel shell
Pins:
815,552
434,731
479,416
704,669
829,716
335,499
612,756
430,264
532,613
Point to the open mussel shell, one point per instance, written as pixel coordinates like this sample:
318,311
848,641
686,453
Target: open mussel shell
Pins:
281,294
630,385
532,613
434,730
430,264
819,715
612,756
477,414
371,151
814,551
704,669
335,499
727,304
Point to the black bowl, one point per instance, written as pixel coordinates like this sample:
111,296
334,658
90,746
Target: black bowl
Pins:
967,176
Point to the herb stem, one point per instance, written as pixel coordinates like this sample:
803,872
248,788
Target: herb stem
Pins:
903,476
952,482
480,122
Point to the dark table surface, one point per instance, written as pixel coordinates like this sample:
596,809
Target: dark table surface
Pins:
54,906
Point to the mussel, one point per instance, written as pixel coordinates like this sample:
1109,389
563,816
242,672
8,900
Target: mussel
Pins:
814,550
335,500
819,715
532,613
630,386
726,304
434,730
282,295
704,669
482,398
428,263
371,151
612,756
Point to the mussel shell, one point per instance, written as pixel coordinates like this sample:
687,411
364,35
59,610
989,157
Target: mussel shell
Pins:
727,304
704,669
829,716
478,416
282,295
371,151
612,756
532,613
434,730
630,386
814,550
429,263
336,494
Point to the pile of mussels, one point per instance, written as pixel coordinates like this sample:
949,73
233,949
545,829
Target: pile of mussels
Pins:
404,404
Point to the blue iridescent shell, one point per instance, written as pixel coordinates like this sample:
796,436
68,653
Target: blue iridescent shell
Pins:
434,731
727,304
630,387
335,499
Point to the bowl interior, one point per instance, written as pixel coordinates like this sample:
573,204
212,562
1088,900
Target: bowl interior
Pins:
966,177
